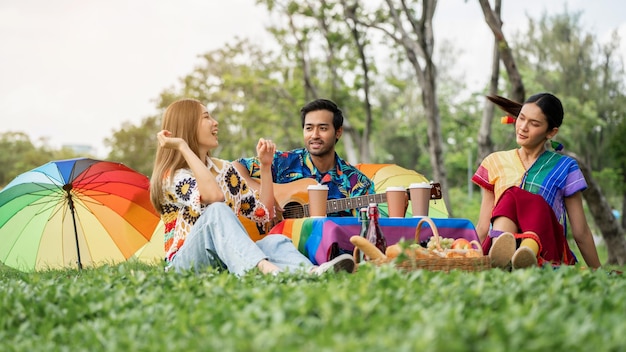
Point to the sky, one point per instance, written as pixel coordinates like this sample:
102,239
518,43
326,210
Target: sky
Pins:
73,71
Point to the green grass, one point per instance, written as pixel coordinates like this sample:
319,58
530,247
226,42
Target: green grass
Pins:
137,307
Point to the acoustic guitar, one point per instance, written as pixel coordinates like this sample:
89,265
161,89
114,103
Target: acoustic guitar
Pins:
293,198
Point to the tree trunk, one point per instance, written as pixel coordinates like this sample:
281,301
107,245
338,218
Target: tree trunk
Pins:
600,209
493,20
418,42
364,144
310,92
485,144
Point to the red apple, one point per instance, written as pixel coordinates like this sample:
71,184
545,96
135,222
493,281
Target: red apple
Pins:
461,243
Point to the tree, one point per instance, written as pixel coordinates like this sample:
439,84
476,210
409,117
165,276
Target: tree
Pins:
24,155
330,47
492,16
612,233
135,146
248,90
617,148
412,31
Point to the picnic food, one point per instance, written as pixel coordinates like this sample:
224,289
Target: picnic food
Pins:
416,251
444,243
461,243
464,249
368,248
428,256
393,251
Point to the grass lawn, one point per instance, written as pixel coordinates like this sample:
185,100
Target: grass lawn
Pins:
138,307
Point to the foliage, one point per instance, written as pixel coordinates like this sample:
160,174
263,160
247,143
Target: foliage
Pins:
139,307
612,185
135,145
334,57
250,92
463,205
256,92
558,55
24,155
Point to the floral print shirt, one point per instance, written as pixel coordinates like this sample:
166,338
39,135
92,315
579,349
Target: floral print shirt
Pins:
181,205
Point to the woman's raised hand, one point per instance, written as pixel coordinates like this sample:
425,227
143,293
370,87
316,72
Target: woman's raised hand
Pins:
265,150
166,141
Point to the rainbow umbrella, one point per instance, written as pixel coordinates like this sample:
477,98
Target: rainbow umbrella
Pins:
74,212
390,175
153,252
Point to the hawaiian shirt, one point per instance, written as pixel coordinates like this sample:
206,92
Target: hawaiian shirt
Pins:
344,181
181,205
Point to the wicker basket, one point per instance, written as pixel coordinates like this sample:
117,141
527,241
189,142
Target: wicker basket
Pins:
444,264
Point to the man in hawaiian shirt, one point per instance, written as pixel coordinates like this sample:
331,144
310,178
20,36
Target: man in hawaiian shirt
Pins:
322,123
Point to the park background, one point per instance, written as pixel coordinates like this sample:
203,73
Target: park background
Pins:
92,78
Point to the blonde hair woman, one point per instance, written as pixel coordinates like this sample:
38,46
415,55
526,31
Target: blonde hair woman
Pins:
199,196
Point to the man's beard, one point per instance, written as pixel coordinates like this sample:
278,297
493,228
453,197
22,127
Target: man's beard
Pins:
320,152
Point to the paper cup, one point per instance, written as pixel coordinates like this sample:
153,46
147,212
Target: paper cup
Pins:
420,198
396,201
318,195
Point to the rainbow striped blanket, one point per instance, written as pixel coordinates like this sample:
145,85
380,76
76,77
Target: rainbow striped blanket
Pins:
314,237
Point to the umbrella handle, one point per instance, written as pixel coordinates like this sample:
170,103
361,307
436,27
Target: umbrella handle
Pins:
68,188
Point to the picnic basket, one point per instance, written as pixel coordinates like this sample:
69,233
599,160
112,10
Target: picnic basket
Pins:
451,259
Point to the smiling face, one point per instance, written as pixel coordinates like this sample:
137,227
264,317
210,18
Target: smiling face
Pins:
320,135
531,127
207,131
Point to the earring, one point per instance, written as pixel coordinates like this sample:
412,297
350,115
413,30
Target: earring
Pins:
556,145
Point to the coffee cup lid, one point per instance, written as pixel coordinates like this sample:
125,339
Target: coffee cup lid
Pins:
420,185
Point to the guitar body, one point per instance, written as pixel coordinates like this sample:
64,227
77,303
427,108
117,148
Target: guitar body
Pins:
292,197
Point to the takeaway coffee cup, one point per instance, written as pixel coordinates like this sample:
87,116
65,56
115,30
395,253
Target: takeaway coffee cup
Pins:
420,198
318,195
396,201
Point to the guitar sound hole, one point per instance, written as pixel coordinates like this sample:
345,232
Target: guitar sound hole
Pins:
293,210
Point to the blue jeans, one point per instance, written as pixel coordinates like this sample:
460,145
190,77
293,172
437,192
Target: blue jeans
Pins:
218,239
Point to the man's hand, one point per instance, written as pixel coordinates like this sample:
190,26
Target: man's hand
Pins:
265,150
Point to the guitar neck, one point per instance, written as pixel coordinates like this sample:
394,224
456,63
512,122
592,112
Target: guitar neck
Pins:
336,205
297,210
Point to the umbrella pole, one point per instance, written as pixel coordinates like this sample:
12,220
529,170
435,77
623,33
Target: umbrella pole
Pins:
68,188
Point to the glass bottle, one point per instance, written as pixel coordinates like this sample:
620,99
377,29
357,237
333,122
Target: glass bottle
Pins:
364,218
374,232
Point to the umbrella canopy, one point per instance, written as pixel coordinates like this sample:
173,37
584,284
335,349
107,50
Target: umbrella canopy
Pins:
153,252
74,212
390,175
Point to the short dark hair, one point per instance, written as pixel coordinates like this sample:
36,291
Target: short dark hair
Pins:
323,104
551,107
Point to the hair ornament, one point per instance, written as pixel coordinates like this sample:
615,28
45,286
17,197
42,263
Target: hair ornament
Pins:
507,120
